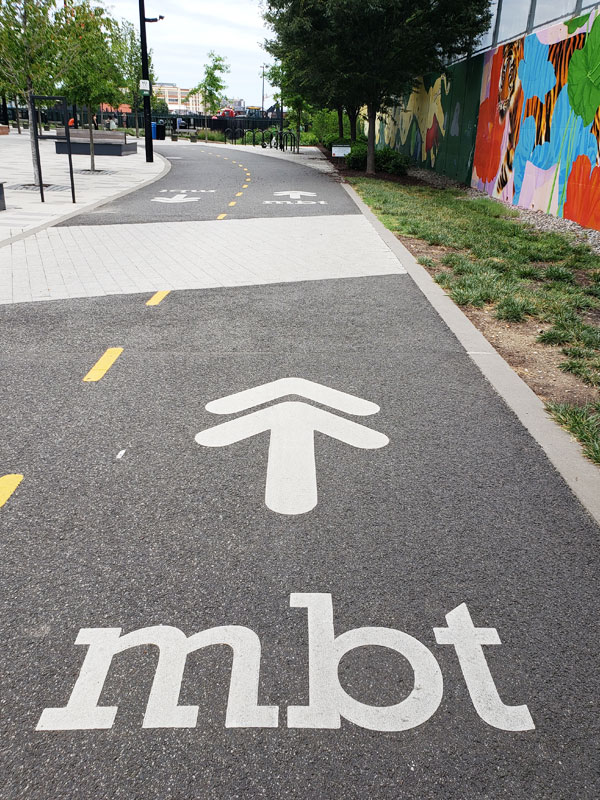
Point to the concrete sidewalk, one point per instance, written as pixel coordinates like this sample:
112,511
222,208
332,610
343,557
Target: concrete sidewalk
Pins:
25,213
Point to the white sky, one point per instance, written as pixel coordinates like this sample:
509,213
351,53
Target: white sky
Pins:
180,43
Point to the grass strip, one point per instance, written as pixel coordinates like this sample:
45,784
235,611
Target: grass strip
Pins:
491,259
581,421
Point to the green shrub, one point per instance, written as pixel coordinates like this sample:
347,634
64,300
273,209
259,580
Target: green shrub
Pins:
357,157
386,160
308,138
325,125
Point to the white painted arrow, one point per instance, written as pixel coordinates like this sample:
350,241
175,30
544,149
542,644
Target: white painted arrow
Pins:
291,486
295,194
178,198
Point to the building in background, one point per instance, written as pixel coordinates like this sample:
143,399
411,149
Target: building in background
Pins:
177,98
520,119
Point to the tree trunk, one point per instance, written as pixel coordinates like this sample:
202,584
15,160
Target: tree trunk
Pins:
91,127
4,110
298,122
340,112
352,116
32,123
16,101
137,124
372,117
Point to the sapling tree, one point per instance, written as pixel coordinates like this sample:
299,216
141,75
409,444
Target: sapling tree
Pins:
129,53
30,60
212,85
93,75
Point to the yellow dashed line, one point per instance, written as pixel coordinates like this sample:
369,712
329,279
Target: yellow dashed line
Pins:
234,162
103,364
233,202
245,186
8,483
221,216
157,298
239,194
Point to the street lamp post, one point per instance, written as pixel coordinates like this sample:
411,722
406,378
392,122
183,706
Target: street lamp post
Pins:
146,77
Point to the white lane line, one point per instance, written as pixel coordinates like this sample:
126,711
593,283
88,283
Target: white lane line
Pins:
121,453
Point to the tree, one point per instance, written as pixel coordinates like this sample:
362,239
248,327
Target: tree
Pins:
159,105
92,76
29,54
129,50
280,75
212,85
370,53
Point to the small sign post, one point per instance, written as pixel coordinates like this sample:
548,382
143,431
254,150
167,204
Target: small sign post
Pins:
144,88
340,150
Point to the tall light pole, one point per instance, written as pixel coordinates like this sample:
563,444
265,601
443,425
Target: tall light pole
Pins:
262,105
146,77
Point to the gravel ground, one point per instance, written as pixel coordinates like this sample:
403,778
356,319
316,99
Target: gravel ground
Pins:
539,220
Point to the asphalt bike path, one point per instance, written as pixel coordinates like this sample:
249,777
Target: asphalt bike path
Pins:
344,567
206,182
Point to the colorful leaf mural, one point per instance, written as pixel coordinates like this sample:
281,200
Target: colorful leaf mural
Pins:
436,124
551,120
584,77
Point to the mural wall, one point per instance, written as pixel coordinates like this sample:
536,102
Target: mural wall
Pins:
436,124
538,135
521,122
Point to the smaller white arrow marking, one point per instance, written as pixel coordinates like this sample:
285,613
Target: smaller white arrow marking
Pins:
295,194
291,471
178,198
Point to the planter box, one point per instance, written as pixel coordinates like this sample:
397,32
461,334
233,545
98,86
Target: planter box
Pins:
4,130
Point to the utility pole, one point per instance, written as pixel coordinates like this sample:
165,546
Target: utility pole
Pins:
146,77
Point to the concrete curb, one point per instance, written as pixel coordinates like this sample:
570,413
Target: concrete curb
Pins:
564,453
90,206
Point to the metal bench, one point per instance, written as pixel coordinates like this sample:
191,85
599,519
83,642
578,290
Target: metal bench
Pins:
106,143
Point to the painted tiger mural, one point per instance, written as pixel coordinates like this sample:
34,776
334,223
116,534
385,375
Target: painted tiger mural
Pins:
510,99
510,102
559,55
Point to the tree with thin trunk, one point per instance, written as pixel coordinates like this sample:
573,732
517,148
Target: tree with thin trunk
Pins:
93,76
211,86
29,50
129,53
279,75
